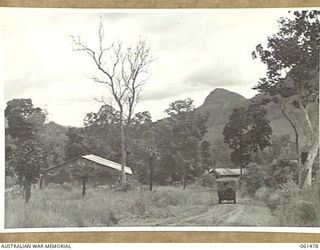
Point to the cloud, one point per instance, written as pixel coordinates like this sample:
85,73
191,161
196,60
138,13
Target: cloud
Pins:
196,51
212,76
159,93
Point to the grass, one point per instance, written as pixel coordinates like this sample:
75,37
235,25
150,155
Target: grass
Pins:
291,206
299,208
62,206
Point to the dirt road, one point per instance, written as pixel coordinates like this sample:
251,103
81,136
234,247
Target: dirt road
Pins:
244,214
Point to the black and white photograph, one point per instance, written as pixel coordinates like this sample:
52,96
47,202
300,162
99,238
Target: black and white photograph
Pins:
160,118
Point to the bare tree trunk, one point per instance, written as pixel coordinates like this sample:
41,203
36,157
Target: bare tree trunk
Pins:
184,180
151,173
305,113
296,143
20,181
294,129
125,71
307,168
310,132
27,188
123,153
312,144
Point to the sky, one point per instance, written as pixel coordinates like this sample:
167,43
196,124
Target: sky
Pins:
195,51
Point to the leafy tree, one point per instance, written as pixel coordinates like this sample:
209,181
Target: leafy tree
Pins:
206,157
167,168
23,119
141,125
247,131
106,116
102,127
281,147
292,59
277,173
53,137
10,147
142,145
220,153
152,157
28,160
179,107
123,70
83,171
77,144
182,135
24,153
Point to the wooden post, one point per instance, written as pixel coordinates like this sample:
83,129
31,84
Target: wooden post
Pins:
84,183
151,173
41,181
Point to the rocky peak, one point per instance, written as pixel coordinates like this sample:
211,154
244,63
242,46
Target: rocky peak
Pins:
219,95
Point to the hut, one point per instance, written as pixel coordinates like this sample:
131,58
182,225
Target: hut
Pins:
226,172
99,170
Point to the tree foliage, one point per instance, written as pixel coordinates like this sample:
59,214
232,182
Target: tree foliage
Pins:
178,140
206,157
292,59
292,53
248,130
23,119
78,144
28,160
180,107
24,153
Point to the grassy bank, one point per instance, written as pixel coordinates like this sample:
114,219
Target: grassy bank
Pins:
293,207
62,206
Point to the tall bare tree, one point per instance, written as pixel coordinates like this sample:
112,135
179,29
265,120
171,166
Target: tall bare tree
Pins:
124,70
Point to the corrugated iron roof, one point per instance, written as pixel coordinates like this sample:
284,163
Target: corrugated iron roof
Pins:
226,171
106,163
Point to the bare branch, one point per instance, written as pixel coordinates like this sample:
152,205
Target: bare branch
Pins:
124,71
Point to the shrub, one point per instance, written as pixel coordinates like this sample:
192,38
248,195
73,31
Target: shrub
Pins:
262,193
169,196
13,192
10,181
289,191
66,186
88,213
269,196
298,207
273,200
271,175
52,185
253,179
281,172
139,207
208,180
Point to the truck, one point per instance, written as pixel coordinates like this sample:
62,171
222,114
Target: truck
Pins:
227,187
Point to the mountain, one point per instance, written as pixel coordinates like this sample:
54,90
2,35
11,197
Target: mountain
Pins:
220,103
